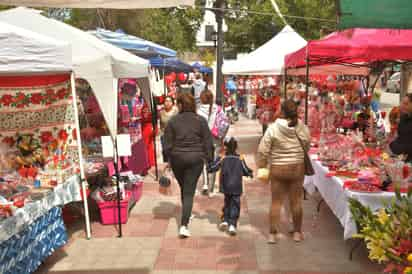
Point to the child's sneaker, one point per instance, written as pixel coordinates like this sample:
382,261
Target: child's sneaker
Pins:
232,230
205,189
223,226
184,232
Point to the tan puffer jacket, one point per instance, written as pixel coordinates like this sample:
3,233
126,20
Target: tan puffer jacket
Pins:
280,145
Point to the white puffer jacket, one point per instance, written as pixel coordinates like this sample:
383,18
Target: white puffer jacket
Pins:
280,146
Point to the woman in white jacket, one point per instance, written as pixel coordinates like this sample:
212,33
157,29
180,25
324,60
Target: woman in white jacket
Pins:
281,149
208,110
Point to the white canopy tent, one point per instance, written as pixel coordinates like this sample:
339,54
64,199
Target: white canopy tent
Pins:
109,4
25,53
269,58
100,63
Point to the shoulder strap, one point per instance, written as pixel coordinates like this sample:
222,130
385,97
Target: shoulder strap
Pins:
300,141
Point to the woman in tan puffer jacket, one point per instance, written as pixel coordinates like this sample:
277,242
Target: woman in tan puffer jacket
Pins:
281,151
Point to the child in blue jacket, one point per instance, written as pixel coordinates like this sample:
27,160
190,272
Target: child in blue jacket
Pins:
232,168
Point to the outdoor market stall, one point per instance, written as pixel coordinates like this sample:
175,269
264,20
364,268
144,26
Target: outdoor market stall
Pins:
356,167
39,157
352,52
265,61
269,58
133,44
100,63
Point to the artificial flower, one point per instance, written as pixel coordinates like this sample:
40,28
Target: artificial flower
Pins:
410,258
382,216
408,270
377,253
405,246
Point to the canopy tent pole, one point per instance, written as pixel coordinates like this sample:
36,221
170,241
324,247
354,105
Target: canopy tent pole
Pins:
307,88
116,159
154,124
117,174
79,146
164,80
285,84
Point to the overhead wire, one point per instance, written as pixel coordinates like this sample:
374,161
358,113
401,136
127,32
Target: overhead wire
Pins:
270,14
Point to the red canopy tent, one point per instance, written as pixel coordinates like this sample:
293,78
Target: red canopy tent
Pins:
349,51
354,46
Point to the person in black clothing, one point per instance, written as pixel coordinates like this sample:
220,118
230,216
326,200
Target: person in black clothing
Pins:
403,143
188,144
233,167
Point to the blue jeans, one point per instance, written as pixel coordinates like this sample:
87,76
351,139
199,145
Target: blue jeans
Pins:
241,102
162,142
231,210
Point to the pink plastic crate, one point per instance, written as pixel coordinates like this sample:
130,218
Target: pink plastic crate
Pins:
109,212
137,191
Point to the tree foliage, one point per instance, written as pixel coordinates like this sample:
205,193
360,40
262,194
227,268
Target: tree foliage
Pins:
173,27
248,30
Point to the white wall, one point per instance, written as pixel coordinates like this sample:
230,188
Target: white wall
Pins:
208,19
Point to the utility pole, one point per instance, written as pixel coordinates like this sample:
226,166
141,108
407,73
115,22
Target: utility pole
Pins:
219,12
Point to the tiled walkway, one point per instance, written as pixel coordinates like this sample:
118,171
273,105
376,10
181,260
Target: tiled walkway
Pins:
150,243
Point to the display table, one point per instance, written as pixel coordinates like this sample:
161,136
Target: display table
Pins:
336,197
62,194
26,250
36,230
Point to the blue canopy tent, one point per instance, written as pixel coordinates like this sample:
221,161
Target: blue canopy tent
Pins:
136,45
201,68
170,64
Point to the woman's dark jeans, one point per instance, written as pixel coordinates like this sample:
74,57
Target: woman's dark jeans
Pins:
187,168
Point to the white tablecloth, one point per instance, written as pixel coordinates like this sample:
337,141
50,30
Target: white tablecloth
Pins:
336,197
63,194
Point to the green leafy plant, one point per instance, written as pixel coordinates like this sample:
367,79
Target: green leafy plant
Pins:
388,232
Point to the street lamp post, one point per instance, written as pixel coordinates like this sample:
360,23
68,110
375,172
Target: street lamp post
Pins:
214,39
219,5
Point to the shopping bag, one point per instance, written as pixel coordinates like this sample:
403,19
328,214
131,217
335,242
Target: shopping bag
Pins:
263,175
165,182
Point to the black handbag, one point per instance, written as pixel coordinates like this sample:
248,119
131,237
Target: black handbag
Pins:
309,170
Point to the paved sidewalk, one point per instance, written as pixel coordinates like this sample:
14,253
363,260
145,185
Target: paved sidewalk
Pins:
150,243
